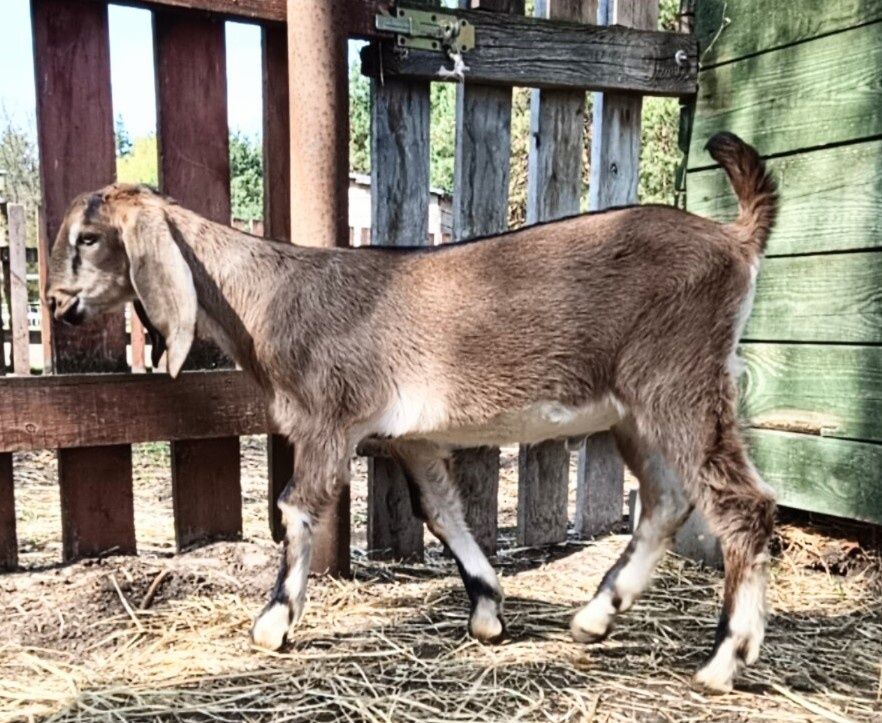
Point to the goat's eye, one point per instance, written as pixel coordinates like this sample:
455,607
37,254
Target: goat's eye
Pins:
89,239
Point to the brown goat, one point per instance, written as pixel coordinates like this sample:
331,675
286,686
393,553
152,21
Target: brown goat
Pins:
624,320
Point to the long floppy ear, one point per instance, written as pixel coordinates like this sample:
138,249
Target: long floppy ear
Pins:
163,282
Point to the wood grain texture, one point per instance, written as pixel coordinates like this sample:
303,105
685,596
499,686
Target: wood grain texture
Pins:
480,207
615,173
206,490
360,13
42,276
826,298
74,112
8,539
831,199
829,390
74,410
542,494
277,221
400,216
18,289
538,53
96,518
821,92
754,26
194,168
77,154
819,474
554,187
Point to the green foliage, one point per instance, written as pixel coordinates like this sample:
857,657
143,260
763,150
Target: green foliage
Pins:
140,164
122,138
442,144
659,153
246,172
359,121
18,158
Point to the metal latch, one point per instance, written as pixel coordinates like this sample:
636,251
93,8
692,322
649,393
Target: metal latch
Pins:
428,30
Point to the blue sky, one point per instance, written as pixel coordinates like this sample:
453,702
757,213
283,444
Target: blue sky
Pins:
131,57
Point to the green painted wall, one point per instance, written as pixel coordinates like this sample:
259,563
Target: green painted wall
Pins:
802,81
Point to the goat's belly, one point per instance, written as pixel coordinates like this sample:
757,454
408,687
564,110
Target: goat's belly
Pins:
537,423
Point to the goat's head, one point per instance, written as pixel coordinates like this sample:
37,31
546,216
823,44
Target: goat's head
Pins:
117,245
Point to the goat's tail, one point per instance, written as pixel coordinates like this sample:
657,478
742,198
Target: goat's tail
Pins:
755,188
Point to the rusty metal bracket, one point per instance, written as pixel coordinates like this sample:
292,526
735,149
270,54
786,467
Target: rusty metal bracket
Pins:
428,30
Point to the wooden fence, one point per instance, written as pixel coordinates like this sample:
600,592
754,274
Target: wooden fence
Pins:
92,419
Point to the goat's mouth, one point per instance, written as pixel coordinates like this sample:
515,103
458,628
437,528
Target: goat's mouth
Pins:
73,313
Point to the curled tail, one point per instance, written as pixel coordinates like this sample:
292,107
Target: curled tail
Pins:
754,187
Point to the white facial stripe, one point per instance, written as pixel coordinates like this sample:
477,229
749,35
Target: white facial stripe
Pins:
74,233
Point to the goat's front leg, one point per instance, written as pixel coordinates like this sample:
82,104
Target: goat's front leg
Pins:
437,501
318,472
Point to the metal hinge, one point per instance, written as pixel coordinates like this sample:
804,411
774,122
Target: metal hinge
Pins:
428,30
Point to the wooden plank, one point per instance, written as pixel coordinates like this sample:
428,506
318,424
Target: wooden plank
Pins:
8,539
208,497
400,213
828,390
826,298
18,289
819,474
74,112
615,172
318,92
96,520
138,342
554,187
72,68
831,199
819,93
194,167
360,13
43,276
74,410
480,207
536,52
277,222
731,29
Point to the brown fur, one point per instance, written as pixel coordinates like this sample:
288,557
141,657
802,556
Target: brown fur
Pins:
638,303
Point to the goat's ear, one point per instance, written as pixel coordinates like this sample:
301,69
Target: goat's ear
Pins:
163,282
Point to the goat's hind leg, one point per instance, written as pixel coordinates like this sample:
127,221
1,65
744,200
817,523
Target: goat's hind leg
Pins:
318,472
438,502
664,508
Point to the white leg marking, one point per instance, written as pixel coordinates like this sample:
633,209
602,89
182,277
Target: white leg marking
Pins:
271,627
593,621
485,623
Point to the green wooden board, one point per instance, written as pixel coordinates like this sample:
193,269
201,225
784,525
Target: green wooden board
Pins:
821,92
825,298
831,390
757,25
831,199
819,474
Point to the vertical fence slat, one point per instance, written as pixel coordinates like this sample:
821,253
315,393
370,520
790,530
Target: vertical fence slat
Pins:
75,132
319,130
615,164
480,207
194,167
554,187
277,220
136,334
8,539
43,274
400,213
18,289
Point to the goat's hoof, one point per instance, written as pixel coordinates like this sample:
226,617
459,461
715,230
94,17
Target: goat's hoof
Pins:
486,624
718,673
592,623
271,627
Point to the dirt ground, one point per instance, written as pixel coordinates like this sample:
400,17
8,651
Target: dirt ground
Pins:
164,636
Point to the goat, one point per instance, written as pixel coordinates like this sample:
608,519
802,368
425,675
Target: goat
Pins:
626,320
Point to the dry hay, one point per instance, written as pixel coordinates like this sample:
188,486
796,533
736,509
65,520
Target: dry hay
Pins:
164,637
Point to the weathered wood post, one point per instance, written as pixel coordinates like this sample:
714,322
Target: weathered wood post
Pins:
319,127
18,289
480,207
615,171
194,167
554,187
8,538
74,112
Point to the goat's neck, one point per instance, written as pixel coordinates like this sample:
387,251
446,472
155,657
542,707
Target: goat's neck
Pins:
233,273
